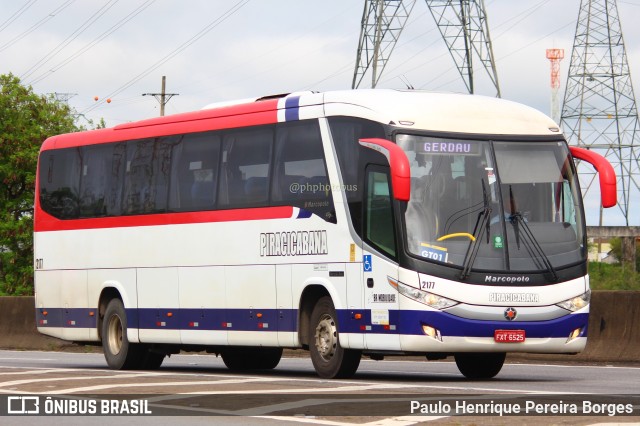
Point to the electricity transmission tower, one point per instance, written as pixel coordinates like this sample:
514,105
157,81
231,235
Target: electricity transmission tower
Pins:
462,25
599,110
63,97
382,24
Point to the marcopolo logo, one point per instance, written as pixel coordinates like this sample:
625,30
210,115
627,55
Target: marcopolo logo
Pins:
506,279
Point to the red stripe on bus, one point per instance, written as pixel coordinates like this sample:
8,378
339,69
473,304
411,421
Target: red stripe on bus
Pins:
233,117
45,222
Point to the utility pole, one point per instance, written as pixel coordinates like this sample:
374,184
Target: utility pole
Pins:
162,97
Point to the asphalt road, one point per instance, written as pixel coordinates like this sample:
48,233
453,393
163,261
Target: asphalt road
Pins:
201,390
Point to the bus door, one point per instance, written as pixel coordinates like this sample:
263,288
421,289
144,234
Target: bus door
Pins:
378,265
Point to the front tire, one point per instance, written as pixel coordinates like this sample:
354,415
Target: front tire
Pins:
330,360
480,365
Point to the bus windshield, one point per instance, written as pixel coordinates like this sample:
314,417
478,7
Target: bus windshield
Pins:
512,205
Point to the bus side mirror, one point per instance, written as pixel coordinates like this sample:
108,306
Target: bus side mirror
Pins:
398,162
608,193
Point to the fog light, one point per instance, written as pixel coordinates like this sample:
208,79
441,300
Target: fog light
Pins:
431,332
575,333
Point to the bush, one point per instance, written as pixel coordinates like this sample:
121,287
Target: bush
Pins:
605,276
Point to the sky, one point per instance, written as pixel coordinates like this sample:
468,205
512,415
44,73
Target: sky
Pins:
214,51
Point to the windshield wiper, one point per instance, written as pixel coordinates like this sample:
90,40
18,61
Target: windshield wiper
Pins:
482,225
516,219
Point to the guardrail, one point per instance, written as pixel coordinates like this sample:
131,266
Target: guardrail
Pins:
614,328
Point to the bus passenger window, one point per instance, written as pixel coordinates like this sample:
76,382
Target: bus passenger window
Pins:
147,174
60,182
244,173
195,173
300,173
95,181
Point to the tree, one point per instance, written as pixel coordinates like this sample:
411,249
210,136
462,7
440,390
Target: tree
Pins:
26,120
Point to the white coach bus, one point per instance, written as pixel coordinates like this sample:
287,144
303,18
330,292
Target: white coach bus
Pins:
348,223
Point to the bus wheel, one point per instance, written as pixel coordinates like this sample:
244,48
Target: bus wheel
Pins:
330,360
480,365
119,353
251,358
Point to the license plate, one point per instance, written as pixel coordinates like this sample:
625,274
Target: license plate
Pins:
509,336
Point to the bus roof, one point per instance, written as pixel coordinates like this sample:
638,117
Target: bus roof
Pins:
410,109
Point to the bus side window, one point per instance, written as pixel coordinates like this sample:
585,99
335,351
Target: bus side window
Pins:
194,176
60,182
379,223
244,173
95,181
300,173
147,175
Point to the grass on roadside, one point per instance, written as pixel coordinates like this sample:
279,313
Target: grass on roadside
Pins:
605,276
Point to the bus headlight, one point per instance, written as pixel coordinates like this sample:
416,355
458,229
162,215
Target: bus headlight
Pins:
576,303
429,299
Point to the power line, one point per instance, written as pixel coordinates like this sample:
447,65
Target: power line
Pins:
16,15
269,52
97,40
69,39
226,15
37,25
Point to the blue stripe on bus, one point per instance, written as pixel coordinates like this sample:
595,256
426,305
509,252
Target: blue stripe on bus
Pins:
285,320
292,108
304,214
66,317
410,323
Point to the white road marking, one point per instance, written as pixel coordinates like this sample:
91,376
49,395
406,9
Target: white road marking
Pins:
27,359
33,372
64,379
162,384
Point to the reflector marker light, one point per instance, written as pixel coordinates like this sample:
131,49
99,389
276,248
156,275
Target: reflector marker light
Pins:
432,332
574,334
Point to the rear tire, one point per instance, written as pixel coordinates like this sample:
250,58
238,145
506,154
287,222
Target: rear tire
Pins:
480,365
118,351
330,360
249,358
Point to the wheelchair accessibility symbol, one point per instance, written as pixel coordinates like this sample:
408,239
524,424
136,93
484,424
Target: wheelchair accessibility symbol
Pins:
366,263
